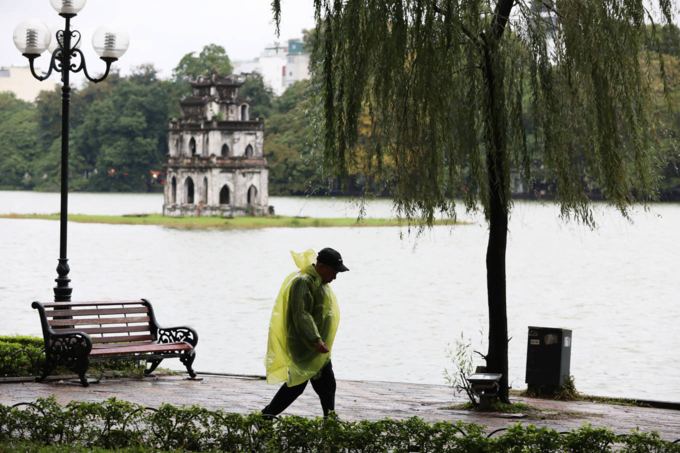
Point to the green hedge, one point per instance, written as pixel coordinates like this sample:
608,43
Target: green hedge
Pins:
29,447
116,424
22,355
24,340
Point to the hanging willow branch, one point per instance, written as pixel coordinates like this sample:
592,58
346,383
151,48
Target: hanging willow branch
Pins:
576,71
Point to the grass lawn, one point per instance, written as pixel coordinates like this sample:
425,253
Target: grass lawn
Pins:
220,222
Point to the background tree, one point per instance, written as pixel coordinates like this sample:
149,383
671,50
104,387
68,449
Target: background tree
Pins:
260,94
292,169
125,134
448,84
17,135
212,58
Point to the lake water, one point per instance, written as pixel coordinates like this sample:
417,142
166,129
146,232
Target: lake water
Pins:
403,300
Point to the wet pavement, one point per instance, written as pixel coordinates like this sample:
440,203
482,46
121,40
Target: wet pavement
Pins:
355,400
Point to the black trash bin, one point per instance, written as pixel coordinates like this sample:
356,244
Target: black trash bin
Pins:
548,356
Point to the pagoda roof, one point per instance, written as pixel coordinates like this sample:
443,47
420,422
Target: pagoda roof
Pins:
195,100
216,80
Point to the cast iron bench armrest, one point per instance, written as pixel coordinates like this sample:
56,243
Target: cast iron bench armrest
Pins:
76,344
71,344
179,334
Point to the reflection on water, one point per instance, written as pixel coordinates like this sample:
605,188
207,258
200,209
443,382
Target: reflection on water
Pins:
402,301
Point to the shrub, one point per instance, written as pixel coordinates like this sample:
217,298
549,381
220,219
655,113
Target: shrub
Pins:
18,359
24,340
22,355
46,427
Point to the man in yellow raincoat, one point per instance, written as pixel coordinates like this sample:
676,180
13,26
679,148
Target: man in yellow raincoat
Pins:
302,329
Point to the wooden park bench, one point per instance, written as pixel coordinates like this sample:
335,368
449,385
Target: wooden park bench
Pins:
78,333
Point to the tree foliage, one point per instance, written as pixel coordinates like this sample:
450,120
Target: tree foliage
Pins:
288,136
18,137
118,131
213,58
422,69
260,95
665,39
119,124
293,170
124,136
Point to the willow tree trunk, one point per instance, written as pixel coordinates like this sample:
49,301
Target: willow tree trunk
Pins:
496,155
497,357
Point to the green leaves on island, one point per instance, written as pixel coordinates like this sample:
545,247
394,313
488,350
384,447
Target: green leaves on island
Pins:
213,59
18,130
118,134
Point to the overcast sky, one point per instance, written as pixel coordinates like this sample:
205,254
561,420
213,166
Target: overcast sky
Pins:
163,31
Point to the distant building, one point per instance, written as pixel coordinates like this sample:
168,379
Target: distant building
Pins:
280,67
297,64
20,81
272,61
216,164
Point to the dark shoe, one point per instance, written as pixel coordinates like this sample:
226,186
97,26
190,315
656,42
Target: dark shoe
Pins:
265,417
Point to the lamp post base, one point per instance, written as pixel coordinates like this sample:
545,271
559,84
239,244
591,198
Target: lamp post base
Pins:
62,292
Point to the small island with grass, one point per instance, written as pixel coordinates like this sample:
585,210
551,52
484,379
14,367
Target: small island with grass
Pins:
235,223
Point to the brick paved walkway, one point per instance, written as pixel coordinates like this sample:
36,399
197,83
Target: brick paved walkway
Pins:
355,400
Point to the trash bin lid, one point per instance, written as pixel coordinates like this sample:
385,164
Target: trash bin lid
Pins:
484,378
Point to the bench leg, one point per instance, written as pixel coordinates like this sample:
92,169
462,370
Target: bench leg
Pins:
154,365
47,369
81,368
188,360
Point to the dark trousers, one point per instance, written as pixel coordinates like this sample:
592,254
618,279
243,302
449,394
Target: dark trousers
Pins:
324,386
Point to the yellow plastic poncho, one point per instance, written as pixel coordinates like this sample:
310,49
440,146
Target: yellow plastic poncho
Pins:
304,313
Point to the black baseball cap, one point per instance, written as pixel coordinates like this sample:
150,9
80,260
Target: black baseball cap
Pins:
331,258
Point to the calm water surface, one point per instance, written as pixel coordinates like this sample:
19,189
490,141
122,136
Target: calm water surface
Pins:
402,301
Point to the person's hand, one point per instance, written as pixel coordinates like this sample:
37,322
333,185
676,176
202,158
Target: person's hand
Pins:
321,347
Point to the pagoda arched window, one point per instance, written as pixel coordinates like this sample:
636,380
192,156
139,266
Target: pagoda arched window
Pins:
192,146
189,184
204,192
225,150
173,191
224,195
252,195
249,151
244,112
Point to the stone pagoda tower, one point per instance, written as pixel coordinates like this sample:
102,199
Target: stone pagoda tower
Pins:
216,165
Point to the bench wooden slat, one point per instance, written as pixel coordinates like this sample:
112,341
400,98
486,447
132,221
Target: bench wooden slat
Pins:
96,321
122,338
141,349
95,330
96,312
85,304
119,345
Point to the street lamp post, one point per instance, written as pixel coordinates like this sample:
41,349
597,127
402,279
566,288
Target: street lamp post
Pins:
32,38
